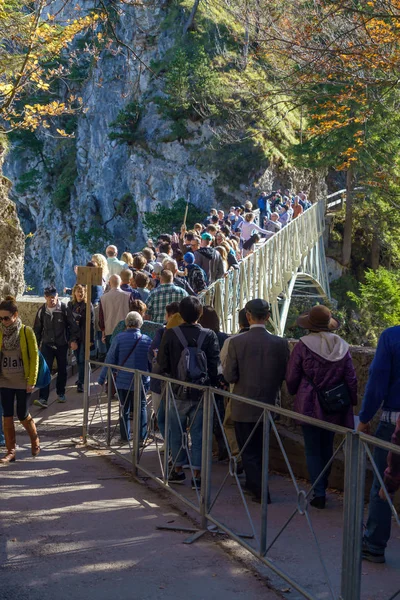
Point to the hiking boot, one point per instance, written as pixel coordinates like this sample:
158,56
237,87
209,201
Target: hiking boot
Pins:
61,398
175,477
41,402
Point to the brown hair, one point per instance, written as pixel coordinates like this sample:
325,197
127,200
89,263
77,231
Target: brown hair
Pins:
138,306
209,319
139,262
9,304
166,276
148,254
141,279
249,217
74,290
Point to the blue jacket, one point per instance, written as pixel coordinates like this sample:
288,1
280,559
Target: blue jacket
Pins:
383,386
119,350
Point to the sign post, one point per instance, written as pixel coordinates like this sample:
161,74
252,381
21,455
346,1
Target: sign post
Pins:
186,212
87,276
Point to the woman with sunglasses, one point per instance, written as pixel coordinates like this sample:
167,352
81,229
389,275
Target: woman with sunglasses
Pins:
18,374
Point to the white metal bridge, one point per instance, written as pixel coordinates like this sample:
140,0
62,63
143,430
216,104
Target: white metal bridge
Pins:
292,262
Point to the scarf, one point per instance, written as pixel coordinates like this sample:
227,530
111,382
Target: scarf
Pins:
11,335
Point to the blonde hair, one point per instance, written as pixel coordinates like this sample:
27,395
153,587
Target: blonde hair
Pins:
127,258
101,261
249,217
77,287
224,256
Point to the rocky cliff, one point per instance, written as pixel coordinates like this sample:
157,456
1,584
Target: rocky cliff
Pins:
133,147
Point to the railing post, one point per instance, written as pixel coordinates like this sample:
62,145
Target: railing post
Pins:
86,396
166,427
206,455
353,509
109,398
136,424
235,303
264,484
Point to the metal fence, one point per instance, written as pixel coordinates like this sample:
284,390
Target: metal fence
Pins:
273,537
268,271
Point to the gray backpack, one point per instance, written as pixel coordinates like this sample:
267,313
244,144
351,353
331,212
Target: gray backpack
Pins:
192,365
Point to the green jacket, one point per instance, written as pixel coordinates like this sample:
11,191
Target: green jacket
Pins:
29,351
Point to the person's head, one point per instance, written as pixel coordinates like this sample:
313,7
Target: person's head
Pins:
171,309
224,254
133,320
221,215
214,220
219,237
263,194
285,208
228,247
296,200
190,309
171,265
165,248
248,205
51,296
257,311
189,236
148,254
210,319
79,293
213,212
164,237
198,227
8,311
101,261
127,258
206,240
157,270
161,257
238,211
178,255
212,230
141,280
243,320
126,275
115,281
139,262
166,276
188,258
111,251
249,217
319,318
139,306
274,216
195,244
226,230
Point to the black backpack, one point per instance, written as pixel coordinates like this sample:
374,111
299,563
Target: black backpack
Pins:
192,365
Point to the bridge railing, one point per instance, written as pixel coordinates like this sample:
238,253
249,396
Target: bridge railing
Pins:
266,272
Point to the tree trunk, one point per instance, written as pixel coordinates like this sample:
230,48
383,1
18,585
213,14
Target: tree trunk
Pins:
375,251
190,21
348,222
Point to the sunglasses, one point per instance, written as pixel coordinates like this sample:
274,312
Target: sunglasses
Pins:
5,319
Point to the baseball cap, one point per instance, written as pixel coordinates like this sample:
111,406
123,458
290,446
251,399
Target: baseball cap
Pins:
50,290
258,307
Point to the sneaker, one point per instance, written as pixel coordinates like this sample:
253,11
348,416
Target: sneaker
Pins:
61,398
79,389
318,502
196,483
2,443
41,402
373,557
175,477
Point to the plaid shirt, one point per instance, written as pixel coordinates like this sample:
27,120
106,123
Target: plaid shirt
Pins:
159,298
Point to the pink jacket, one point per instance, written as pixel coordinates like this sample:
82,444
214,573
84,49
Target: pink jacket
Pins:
329,367
392,473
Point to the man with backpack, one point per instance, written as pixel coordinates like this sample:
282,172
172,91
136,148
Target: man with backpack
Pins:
54,328
190,354
209,259
195,275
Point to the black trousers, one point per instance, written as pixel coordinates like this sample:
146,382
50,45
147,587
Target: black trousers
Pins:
252,454
8,396
59,353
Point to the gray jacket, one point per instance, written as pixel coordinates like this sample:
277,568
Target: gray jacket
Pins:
210,261
256,363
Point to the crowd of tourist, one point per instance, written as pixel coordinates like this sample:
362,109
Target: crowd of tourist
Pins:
146,315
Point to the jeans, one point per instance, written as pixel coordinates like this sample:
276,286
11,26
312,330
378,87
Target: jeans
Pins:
60,353
159,410
8,396
319,450
80,361
2,440
126,401
100,345
108,342
252,454
377,531
186,417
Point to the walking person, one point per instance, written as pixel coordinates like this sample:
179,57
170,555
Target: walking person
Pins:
19,370
55,328
321,362
382,390
78,306
255,363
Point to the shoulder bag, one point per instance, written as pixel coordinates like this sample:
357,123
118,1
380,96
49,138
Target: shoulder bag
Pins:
334,401
44,374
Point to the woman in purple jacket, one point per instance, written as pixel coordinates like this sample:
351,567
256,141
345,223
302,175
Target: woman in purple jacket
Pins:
320,361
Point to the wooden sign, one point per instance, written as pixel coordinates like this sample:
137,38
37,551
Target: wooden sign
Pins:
89,276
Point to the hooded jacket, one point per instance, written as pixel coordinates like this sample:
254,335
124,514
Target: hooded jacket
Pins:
210,261
323,358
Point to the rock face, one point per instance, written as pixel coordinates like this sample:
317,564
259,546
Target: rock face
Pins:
12,241
78,195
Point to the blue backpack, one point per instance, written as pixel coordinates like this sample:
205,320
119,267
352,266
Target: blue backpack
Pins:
44,374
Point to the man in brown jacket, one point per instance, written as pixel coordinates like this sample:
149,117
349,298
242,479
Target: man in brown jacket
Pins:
256,364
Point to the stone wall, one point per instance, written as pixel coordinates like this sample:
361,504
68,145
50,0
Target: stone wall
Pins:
29,305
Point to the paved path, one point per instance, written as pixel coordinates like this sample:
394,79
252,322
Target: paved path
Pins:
75,525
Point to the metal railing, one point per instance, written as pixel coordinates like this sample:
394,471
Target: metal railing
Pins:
267,272
221,485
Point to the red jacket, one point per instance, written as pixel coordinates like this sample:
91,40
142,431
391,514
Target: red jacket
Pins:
392,473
